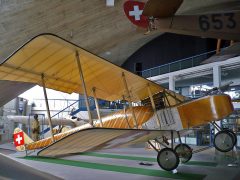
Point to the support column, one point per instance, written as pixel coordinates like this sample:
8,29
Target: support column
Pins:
84,88
217,76
171,83
129,101
48,110
154,107
217,83
97,106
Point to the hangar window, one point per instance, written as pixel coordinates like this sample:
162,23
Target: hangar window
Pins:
138,68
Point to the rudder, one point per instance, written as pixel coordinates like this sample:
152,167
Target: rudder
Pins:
21,139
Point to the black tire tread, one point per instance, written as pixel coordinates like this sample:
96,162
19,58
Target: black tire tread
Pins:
190,149
168,149
220,132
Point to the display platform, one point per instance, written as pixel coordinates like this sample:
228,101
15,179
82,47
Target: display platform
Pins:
128,163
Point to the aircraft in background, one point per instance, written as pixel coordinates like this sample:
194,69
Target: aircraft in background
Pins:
220,21
55,63
68,121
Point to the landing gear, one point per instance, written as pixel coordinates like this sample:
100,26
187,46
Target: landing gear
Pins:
184,152
224,140
233,136
168,159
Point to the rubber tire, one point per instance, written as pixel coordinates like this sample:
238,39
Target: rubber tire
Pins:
231,137
186,147
176,158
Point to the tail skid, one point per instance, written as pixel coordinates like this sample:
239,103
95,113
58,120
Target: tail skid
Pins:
21,139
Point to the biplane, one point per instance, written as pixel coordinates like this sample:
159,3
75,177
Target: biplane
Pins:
219,21
53,62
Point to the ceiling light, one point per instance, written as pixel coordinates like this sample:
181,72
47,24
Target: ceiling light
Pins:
110,3
108,53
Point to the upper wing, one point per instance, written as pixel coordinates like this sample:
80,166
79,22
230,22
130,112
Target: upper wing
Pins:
100,138
54,58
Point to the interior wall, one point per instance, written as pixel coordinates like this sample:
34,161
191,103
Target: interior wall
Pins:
168,48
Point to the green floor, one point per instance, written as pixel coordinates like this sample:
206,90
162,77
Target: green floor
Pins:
139,158
124,169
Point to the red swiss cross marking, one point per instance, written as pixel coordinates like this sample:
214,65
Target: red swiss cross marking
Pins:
18,139
133,10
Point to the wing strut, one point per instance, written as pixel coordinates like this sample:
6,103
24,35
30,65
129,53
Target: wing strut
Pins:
153,106
84,88
47,106
97,106
129,100
124,109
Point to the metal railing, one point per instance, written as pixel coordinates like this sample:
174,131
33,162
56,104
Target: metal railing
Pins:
48,128
177,65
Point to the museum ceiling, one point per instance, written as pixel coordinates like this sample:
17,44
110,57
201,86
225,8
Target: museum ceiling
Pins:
92,25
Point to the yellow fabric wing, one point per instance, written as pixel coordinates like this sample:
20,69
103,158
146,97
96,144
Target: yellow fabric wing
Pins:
55,58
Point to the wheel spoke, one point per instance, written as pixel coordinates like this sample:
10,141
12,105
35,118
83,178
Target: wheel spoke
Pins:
224,141
184,152
168,159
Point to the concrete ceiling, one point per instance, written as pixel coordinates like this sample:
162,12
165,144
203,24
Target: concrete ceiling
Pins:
92,25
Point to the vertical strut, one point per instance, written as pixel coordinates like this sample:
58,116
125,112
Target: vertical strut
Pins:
125,115
172,139
130,101
84,88
154,107
165,96
47,106
179,137
97,106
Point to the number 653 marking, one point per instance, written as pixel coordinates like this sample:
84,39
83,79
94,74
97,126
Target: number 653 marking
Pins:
217,21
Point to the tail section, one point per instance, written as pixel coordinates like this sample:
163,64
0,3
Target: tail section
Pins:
21,139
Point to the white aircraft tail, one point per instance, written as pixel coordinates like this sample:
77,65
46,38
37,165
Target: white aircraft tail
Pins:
21,139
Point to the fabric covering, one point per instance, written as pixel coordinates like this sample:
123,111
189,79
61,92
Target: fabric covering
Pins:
55,58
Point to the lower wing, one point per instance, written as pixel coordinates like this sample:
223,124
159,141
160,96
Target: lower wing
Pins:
100,138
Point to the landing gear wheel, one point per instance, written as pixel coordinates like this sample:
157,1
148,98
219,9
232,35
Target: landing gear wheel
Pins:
184,152
168,159
224,141
233,136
